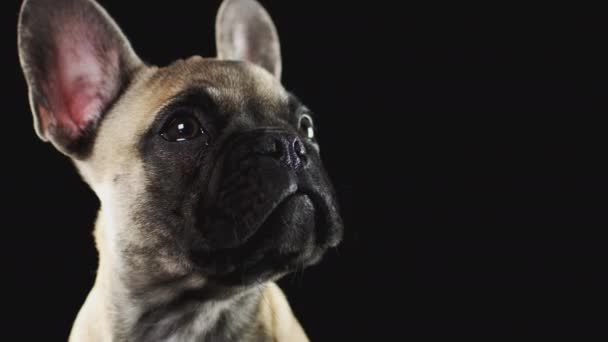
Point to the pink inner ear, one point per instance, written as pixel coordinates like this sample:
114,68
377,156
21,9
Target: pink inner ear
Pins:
80,82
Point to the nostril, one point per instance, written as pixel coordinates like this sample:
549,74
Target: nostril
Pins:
286,148
299,148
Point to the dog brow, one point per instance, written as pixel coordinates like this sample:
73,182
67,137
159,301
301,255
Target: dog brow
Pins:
295,105
202,94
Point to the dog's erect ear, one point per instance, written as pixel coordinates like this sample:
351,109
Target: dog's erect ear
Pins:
244,31
76,61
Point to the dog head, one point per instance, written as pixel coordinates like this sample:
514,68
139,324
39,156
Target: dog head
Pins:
204,167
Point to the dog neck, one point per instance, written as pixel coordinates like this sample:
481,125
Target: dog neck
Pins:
180,309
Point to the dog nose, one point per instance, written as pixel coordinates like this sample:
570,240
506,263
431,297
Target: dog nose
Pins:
287,148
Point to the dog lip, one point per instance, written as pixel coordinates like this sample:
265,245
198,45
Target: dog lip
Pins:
262,255
267,216
264,251
255,234
245,238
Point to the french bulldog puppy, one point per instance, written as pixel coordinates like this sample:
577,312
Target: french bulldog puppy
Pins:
207,170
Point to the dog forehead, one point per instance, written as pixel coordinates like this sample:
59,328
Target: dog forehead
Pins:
232,84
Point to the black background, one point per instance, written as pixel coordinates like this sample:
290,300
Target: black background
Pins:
466,144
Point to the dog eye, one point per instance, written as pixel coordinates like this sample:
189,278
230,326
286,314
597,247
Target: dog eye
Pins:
306,126
181,128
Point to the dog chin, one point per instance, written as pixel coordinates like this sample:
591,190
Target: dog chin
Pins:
285,241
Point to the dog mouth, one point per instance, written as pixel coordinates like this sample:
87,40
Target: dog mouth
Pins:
291,224
287,238
290,220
